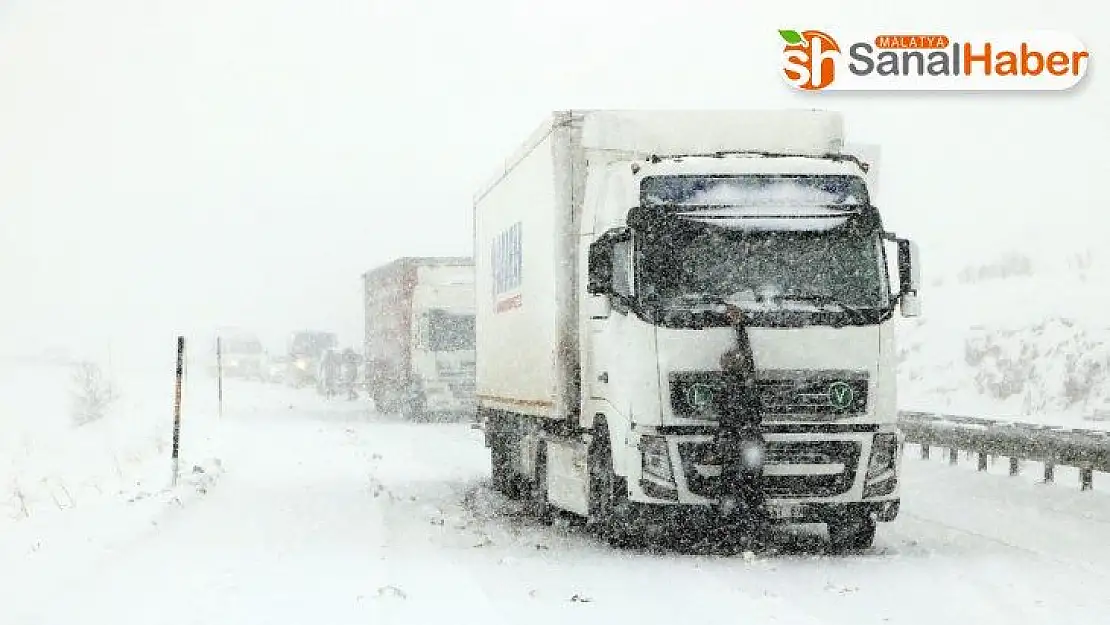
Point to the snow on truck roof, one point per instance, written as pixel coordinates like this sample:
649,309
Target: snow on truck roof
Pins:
801,132
643,133
409,261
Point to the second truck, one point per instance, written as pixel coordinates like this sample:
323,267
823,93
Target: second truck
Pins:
419,349
643,278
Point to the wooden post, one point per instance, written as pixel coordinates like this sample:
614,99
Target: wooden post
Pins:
177,407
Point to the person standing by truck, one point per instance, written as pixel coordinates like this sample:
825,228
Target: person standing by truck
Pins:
740,445
349,376
330,365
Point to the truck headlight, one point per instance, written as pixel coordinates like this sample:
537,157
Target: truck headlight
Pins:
751,453
656,455
882,475
302,364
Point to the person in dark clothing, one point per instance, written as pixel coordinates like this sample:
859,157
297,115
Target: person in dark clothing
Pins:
739,440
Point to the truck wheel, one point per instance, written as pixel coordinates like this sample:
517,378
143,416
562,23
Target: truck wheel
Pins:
851,533
414,408
612,514
538,500
499,463
385,402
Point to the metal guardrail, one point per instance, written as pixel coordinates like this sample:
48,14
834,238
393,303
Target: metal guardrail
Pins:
1086,450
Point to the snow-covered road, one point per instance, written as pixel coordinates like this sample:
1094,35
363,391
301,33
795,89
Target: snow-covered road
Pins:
329,513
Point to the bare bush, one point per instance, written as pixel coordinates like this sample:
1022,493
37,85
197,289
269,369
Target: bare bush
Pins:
92,393
1009,265
1080,263
1050,365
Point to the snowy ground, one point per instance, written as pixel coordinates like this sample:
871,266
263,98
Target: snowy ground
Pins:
325,512
68,490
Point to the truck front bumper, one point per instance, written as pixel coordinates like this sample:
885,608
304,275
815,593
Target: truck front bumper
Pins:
807,477
447,402
778,512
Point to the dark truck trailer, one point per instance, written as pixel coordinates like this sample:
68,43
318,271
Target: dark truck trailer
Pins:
419,335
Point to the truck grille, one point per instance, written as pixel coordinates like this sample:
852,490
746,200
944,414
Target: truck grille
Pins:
817,395
458,376
813,396
823,468
462,387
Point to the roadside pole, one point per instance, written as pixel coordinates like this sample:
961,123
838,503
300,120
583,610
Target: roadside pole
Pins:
177,406
220,376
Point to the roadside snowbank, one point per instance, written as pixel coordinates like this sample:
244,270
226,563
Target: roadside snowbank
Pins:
1024,339
54,469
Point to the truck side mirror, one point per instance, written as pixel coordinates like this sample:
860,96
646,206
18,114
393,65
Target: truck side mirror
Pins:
909,277
599,307
600,270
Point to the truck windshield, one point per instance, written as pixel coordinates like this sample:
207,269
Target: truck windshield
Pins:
685,260
242,346
753,190
450,332
312,344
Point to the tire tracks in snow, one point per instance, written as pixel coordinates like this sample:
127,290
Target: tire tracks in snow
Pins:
1012,546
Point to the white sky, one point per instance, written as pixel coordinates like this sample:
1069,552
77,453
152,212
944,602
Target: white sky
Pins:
172,166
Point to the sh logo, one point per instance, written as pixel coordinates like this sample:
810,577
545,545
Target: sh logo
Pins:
809,59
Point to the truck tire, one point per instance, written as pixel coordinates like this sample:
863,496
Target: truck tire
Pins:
414,407
385,401
851,533
499,463
539,505
612,515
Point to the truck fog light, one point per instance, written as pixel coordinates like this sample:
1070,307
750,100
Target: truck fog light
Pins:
656,456
881,476
751,452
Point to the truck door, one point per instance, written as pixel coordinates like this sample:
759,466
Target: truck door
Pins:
605,321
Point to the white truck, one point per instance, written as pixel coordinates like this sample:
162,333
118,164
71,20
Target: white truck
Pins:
419,349
625,259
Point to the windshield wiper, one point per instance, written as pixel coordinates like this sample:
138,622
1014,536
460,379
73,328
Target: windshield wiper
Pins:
856,313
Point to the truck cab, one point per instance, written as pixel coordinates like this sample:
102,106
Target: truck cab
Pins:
305,350
443,359
241,356
795,245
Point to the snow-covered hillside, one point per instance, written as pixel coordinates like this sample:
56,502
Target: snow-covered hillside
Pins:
1024,337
